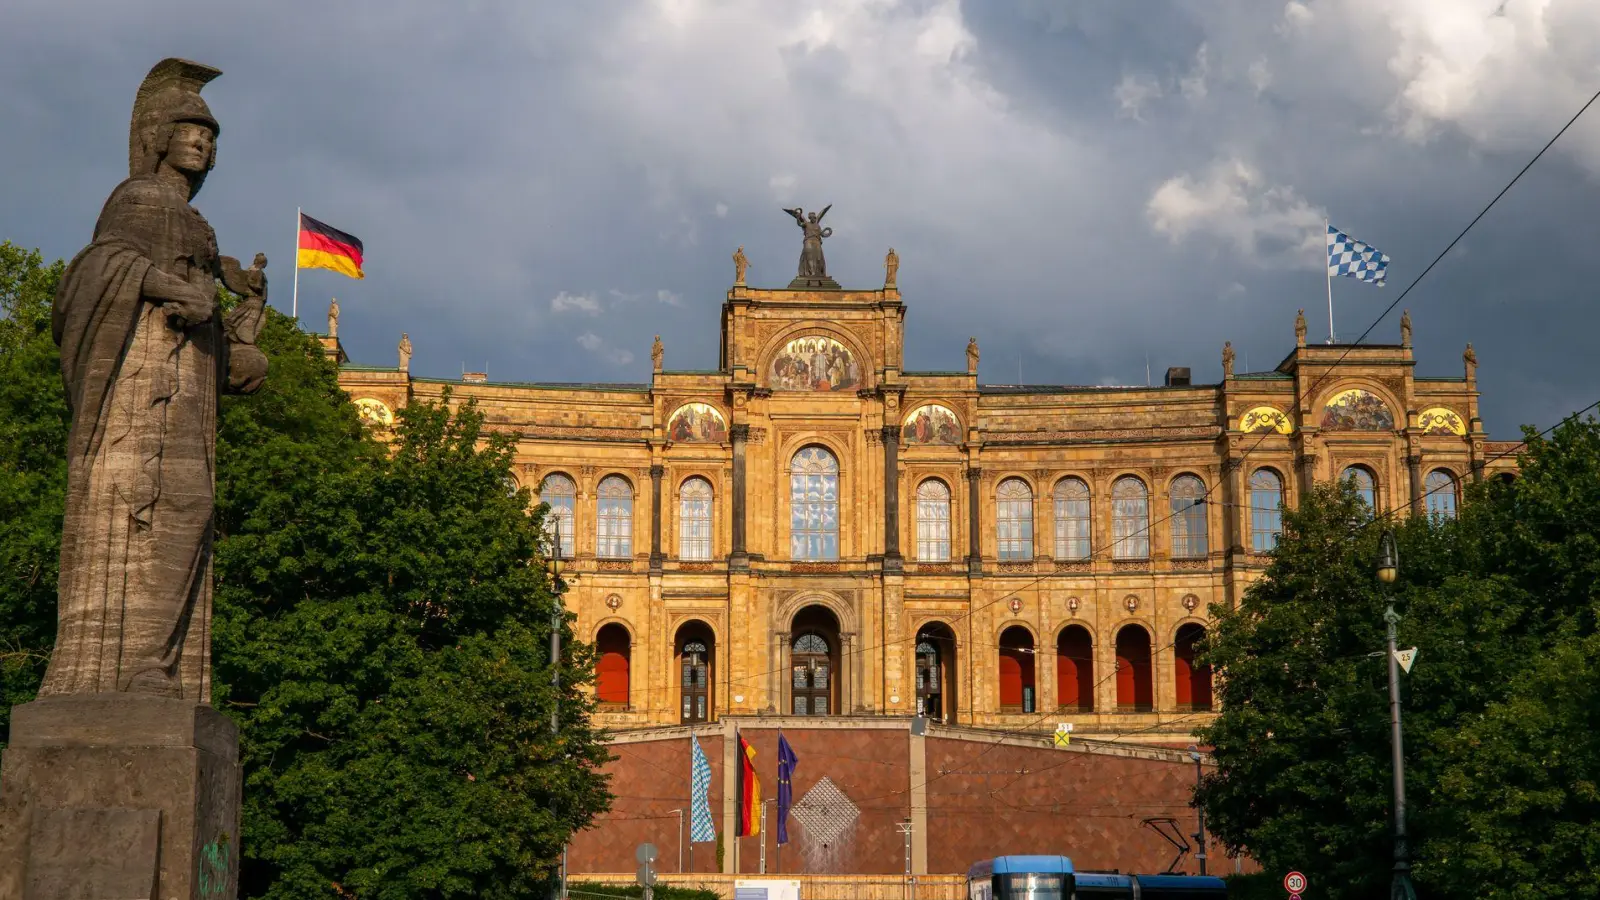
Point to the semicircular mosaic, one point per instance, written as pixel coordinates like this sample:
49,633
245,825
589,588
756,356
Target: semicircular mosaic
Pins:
815,364
1441,420
1356,410
1265,418
697,423
931,424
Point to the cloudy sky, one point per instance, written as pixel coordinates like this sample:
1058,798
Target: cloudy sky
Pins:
1082,184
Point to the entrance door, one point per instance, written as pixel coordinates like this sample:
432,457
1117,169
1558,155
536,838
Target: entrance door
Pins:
930,690
696,683
810,668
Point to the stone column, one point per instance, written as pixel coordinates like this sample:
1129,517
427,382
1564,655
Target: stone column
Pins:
891,498
738,558
656,557
1414,466
974,524
1308,473
1236,510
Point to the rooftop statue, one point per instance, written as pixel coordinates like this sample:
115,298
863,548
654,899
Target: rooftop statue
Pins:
145,353
812,264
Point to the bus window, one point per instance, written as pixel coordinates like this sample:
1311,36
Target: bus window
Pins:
1031,886
1096,886
1181,887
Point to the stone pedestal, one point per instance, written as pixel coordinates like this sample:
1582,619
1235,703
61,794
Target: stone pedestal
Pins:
119,796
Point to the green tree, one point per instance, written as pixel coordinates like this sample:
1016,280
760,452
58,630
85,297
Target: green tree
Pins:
383,624
1502,757
33,474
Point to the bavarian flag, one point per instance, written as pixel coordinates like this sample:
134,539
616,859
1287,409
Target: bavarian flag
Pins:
749,790
325,247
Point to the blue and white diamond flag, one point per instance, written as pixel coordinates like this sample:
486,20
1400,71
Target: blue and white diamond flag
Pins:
1348,256
701,828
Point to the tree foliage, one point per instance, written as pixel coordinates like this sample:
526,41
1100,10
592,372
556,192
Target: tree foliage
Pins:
381,626
1502,756
33,474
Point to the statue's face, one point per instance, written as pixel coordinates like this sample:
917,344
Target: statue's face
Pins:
190,148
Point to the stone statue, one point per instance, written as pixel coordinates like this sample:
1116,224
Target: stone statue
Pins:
891,268
657,354
1470,357
972,356
812,265
741,264
1300,329
1405,328
333,318
405,352
1227,359
145,352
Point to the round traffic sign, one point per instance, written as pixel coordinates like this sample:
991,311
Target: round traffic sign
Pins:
646,853
1294,883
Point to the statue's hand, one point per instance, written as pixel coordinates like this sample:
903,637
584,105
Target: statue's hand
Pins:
191,305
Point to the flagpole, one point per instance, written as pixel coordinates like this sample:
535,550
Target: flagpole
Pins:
294,307
1325,228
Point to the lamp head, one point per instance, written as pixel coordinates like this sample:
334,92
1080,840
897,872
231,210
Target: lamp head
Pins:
555,563
1388,558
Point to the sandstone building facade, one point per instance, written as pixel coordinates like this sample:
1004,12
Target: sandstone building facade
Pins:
816,530
813,528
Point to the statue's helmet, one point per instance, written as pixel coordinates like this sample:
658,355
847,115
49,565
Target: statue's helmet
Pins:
170,94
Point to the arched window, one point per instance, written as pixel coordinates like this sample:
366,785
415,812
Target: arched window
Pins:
614,526
1075,669
1016,670
561,494
814,505
1441,494
936,682
1365,486
811,660
1014,519
1266,510
1134,684
1188,497
1193,678
933,521
615,649
695,661
694,519
1072,519
1130,519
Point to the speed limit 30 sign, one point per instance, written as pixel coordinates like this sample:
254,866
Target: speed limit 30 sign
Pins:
1294,883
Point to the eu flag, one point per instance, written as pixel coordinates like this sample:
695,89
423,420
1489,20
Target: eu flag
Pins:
786,763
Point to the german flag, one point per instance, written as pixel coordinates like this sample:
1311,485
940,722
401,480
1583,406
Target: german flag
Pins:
749,791
325,247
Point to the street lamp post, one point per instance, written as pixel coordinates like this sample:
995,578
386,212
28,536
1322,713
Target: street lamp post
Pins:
1200,811
1388,567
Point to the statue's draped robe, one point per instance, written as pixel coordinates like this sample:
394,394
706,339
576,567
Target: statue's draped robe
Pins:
135,594
812,264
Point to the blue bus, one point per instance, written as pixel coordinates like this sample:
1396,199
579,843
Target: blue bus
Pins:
1053,878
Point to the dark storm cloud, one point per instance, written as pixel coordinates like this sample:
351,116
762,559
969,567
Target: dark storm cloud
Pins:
1079,183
